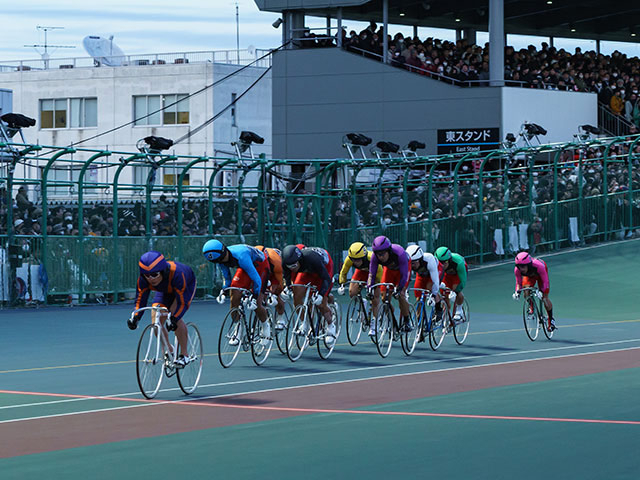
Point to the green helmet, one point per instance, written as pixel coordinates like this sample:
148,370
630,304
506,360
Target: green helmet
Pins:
443,254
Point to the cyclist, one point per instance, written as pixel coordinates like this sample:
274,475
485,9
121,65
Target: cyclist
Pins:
175,286
427,275
395,262
454,268
252,271
530,271
359,258
310,265
274,257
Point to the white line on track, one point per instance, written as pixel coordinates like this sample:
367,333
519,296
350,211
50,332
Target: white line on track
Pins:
210,397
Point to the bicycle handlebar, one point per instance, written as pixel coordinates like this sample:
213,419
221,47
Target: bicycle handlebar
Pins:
155,309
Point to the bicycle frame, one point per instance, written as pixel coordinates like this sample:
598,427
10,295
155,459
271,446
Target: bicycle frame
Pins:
386,301
172,355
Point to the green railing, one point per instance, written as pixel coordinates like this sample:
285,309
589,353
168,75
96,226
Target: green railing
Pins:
91,213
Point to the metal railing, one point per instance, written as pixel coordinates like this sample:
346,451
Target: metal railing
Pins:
234,57
484,205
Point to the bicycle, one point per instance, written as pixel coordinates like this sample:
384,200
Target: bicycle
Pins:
358,315
280,335
242,330
534,315
430,324
387,328
308,327
157,354
460,327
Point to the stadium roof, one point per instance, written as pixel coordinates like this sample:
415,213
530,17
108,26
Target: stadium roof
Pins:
588,19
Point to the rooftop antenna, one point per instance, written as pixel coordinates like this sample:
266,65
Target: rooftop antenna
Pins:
45,53
237,33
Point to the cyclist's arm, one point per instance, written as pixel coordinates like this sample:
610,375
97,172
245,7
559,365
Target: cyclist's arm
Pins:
316,265
346,266
179,285
404,266
432,264
246,264
142,295
518,279
277,272
462,275
226,274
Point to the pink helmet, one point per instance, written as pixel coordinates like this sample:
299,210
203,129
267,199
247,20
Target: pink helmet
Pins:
523,258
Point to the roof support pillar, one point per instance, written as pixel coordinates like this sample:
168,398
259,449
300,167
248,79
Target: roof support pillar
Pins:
339,29
496,43
385,31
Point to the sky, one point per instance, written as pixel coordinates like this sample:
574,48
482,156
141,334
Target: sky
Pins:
168,26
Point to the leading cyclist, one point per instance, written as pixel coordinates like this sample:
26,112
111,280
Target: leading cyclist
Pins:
175,286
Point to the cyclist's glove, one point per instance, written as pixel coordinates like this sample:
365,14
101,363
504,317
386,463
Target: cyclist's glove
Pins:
171,326
316,299
516,295
341,290
132,322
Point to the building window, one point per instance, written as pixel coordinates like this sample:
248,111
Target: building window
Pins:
69,113
170,109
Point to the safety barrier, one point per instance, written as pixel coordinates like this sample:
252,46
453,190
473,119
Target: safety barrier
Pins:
87,226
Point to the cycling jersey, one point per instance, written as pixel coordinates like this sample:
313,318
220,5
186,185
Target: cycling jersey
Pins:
275,264
316,267
455,275
178,284
398,261
536,272
247,259
348,263
427,272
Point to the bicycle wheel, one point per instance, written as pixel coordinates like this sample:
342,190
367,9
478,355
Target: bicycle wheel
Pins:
260,344
327,344
281,335
189,376
437,331
461,328
297,336
355,316
230,338
409,339
149,361
384,331
530,317
544,320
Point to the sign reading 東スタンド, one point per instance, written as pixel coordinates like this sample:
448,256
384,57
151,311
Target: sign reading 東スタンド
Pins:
465,140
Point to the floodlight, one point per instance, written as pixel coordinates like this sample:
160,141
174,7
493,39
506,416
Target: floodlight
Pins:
415,145
388,147
358,139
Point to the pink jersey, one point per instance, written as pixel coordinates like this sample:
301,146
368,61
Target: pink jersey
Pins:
538,269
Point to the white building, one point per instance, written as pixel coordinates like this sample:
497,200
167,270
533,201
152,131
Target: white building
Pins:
74,100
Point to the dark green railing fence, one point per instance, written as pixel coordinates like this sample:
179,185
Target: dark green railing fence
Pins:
484,205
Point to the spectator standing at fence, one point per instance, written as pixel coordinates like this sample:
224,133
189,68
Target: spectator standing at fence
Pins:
22,201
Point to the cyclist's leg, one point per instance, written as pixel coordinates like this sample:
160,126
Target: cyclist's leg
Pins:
354,288
179,306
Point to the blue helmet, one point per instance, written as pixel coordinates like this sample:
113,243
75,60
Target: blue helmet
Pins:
152,262
213,250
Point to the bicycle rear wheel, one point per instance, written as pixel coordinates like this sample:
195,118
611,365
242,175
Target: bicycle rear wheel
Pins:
230,338
409,339
461,328
189,376
355,316
437,330
326,344
297,336
384,331
530,317
150,361
544,320
260,344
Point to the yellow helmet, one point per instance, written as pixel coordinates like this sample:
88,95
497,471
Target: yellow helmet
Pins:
357,250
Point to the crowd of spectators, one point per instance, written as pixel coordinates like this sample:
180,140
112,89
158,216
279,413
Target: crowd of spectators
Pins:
615,78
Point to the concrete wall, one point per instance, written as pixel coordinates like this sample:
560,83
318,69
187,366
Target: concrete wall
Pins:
320,95
560,113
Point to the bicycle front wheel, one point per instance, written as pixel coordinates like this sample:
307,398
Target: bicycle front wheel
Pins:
189,375
231,337
461,328
260,342
530,317
409,339
384,331
150,361
326,343
354,320
543,317
298,333
281,335
437,329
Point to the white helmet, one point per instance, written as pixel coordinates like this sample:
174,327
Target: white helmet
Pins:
415,252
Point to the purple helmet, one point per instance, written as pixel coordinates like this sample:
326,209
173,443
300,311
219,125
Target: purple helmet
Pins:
381,243
523,258
152,262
